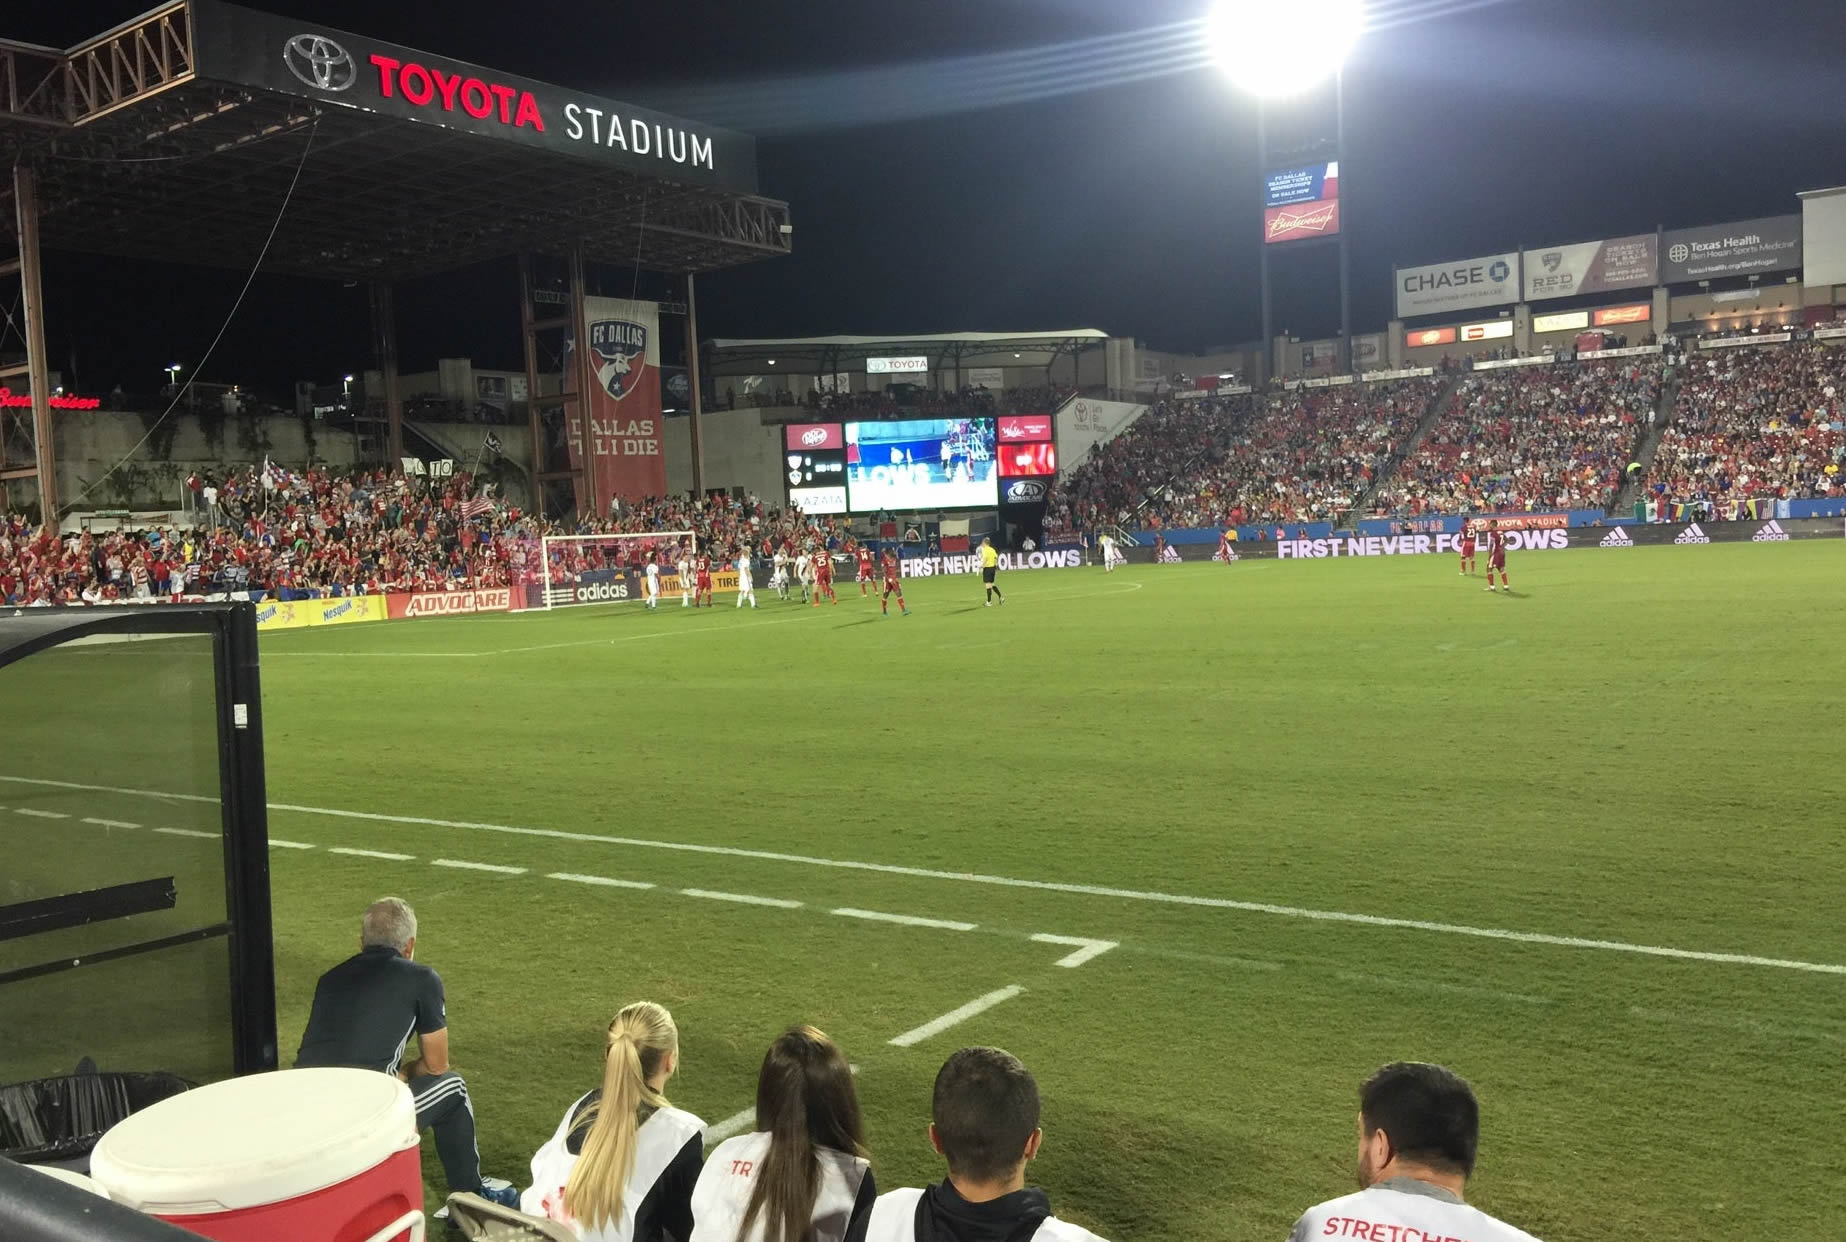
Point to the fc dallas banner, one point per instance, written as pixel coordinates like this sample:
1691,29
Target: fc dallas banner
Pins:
626,457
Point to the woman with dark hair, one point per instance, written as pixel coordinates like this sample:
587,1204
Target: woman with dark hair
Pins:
802,1176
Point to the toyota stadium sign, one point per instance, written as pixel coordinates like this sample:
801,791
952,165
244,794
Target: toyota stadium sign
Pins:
1771,244
1491,280
338,69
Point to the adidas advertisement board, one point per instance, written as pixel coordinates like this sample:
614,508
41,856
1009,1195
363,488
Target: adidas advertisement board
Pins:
1692,534
1617,538
1770,532
1701,534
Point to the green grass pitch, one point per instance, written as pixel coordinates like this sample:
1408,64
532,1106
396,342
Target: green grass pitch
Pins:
1640,748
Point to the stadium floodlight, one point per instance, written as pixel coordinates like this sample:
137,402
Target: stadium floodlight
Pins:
1273,50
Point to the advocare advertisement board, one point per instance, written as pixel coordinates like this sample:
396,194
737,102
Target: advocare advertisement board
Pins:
340,69
1438,288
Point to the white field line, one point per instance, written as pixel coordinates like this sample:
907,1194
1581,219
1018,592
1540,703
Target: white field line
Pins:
388,857
289,845
746,899
463,865
37,814
505,651
603,880
190,832
736,1123
1001,881
954,1017
1086,949
109,823
907,920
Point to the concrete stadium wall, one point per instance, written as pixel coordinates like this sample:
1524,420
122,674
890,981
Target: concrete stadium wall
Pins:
90,442
739,451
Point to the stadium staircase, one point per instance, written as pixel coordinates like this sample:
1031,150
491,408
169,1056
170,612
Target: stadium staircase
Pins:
1412,442
1648,446
504,471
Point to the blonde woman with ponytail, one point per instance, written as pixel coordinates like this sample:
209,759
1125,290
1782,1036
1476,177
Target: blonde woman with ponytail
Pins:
802,1176
623,1162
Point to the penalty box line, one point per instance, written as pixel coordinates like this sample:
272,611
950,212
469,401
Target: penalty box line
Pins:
1001,881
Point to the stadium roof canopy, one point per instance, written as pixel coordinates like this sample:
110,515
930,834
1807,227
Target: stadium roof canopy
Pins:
177,136
832,352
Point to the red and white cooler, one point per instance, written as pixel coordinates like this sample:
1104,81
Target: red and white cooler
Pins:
308,1155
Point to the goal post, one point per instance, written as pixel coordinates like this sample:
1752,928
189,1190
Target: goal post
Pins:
608,569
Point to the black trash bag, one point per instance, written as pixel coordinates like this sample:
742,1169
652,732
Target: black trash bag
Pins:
62,1118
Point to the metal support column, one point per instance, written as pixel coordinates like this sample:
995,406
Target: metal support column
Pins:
580,379
384,344
692,378
1345,205
535,427
38,373
1262,177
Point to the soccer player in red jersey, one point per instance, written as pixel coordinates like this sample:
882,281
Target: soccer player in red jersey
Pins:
1496,559
894,584
703,590
1467,548
823,576
865,570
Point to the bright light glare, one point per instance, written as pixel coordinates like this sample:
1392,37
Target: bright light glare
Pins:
1271,49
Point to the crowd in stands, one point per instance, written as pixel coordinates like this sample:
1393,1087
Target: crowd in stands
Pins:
1298,456
1545,437
625,1165
316,532
1752,423
1131,474
1308,457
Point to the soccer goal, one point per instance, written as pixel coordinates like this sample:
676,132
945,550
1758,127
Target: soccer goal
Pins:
605,569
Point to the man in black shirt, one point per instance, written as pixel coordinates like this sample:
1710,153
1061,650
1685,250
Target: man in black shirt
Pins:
365,1011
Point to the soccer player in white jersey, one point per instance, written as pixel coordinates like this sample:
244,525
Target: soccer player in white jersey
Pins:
804,573
778,578
653,582
985,1124
746,587
1108,553
1419,1126
685,577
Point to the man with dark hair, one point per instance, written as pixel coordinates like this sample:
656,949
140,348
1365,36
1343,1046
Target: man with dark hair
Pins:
1419,1126
984,1122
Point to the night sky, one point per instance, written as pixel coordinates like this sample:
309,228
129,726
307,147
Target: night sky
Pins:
1034,164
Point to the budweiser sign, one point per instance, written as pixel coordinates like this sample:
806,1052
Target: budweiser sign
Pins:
1284,224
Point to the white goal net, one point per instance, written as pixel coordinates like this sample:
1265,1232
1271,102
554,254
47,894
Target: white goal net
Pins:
605,569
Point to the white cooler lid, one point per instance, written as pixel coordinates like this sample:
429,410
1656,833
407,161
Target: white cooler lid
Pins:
68,1175
257,1140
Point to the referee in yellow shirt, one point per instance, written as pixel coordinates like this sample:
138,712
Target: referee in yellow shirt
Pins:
990,566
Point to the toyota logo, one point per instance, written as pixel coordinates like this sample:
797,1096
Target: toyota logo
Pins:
319,62
1678,252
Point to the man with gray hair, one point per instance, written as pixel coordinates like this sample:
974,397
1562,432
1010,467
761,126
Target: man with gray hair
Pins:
365,1011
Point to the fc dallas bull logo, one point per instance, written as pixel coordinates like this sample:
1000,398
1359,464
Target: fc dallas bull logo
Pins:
621,355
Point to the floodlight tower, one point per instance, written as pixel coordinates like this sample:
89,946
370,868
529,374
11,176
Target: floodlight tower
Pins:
1272,52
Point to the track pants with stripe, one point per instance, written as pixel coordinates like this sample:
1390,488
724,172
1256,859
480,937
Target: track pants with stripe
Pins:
443,1106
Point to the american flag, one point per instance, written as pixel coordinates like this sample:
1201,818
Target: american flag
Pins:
474,508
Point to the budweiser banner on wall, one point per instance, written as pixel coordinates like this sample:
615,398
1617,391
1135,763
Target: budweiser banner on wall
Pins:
622,445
